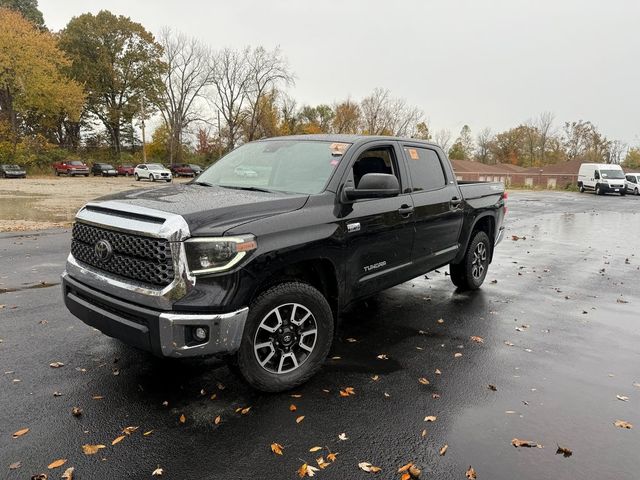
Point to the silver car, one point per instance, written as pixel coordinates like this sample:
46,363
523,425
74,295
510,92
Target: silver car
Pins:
632,183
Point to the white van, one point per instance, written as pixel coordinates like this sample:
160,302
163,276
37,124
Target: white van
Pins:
633,183
601,178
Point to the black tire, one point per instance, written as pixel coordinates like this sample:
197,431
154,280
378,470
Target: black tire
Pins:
581,187
86,174
623,193
152,177
471,272
599,190
636,191
168,180
135,175
4,175
261,310
57,173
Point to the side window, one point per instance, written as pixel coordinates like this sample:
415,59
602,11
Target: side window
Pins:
425,169
596,175
374,160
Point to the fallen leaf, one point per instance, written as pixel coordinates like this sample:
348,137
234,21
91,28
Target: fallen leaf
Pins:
332,457
300,418
471,473
405,468
375,378
636,384
405,476
292,408
435,396
343,436
118,439
430,418
386,394
57,394
348,391
76,411
508,343
351,340
457,355
564,451
15,465
182,418
476,339
307,470
218,420
213,397
525,443
244,411
492,387
315,449
414,471
438,372
424,433
40,476
68,474
56,364
295,395
276,448
423,381
129,430
158,472
89,449
147,433
322,463
97,397
57,463
624,398
367,467
621,300
444,449
20,433
382,356
623,424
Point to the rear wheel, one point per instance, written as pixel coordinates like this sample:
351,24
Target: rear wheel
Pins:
135,175
470,273
286,339
636,191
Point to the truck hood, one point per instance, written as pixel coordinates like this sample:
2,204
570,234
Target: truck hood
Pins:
210,211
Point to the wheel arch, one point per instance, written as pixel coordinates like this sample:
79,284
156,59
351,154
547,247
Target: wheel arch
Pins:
485,222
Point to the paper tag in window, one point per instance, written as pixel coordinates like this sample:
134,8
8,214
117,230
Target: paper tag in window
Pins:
338,149
413,153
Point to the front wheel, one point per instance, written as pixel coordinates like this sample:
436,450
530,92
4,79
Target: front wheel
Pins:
286,338
623,193
599,190
136,177
152,178
636,191
470,273
581,188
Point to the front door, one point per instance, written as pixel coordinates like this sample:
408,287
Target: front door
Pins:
379,232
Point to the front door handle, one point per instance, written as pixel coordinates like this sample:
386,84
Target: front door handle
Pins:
405,210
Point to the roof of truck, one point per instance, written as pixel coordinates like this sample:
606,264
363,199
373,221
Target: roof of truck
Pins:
347,138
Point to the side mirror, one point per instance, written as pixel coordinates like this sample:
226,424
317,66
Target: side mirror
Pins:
374,185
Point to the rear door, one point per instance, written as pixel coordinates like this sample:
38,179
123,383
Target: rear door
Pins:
379,232
438,205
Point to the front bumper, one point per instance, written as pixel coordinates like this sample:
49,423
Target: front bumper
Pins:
15,174
612,188
163,333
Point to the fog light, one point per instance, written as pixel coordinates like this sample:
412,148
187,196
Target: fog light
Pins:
200,333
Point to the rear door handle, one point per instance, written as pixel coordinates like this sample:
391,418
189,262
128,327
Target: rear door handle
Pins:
405,210
455,202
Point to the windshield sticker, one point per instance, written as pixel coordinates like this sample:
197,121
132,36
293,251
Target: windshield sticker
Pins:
338,149
413,153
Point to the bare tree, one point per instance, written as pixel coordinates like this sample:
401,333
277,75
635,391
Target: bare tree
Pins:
544,124
483,140
189,73
232,82
266,71
385,115
443,139
616,149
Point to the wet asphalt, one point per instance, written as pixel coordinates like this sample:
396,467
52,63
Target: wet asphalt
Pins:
558,315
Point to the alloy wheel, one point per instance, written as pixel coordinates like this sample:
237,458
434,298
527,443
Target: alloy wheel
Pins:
479,260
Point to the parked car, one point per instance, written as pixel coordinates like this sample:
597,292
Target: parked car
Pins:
12,171
125,170
71,168
259,273
181,170
244,171
632,183
601,178
104,169
197,169
152,171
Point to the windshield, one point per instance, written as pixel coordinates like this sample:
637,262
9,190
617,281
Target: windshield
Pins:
155,166
613,174
11,167
127,166
106,166
287,166
75,162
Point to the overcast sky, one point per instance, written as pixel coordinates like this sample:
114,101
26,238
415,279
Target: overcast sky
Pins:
492,63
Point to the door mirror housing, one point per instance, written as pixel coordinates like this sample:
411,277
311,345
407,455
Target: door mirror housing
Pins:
373,185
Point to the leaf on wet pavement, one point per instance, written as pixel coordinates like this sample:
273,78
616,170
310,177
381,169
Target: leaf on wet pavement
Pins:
382,356
276,448
20,433
564,451
440,321
322,463
57,463
375,378
623,424
367,467
457,355
636,384
351,340
300,418
76,411
343,436
68,474
423,433
347,392
475,338
182,418
623,398
430,418
423,381
56,364
438,372
508,343
217,420
516,442
129,430
315,449
97,397
292,408
492,387
245,410
332,457
443,450
40,476
147,433
158,472
471,473
15,465
89,449
118,439
307,470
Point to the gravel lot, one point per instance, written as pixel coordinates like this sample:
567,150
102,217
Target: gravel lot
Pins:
47,202
555,330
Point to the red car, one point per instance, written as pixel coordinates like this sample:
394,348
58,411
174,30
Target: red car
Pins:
125,170
182,170
71,168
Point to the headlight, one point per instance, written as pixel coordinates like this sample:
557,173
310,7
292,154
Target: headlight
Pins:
210,255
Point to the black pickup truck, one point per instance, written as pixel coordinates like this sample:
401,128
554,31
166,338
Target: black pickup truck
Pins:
257,268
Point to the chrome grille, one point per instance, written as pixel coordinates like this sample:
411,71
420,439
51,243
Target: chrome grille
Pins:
143,259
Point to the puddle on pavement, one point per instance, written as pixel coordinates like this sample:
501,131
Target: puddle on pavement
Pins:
22,207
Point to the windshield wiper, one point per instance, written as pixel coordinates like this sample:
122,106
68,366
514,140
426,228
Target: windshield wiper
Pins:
250,189
202,184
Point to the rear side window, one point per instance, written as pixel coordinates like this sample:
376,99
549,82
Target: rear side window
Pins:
425,169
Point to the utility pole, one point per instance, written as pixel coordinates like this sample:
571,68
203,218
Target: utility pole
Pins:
144,150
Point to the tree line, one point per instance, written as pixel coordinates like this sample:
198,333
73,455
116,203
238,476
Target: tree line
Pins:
91,88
